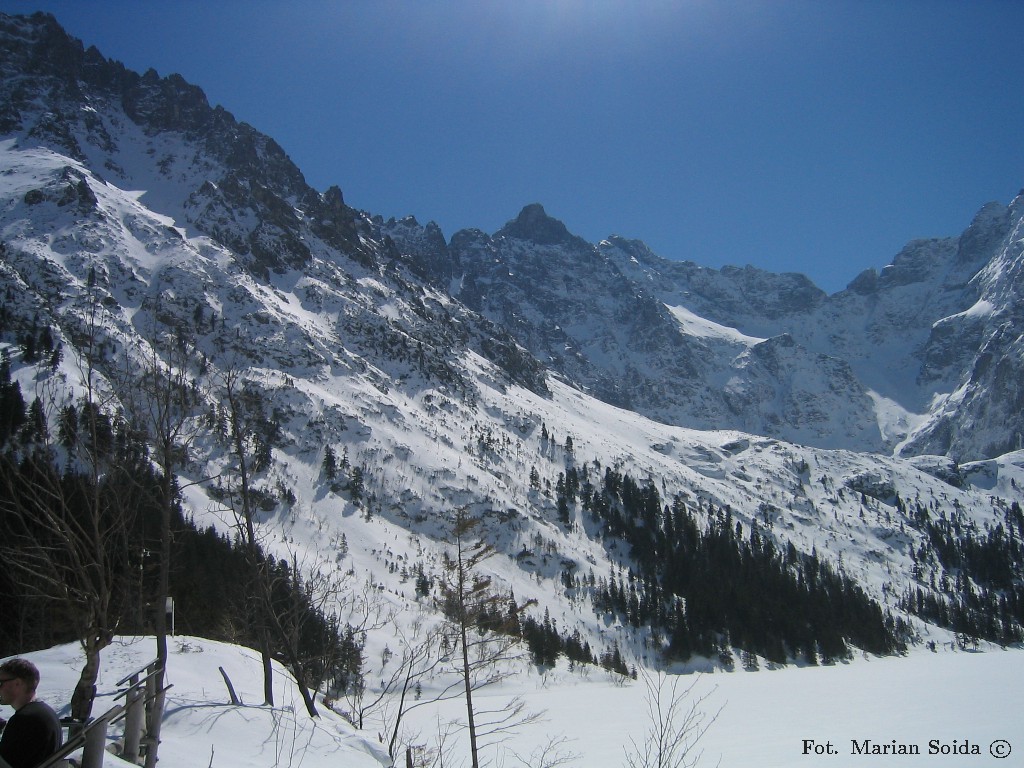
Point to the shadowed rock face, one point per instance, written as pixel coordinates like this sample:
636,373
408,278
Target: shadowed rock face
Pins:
534,225
255,200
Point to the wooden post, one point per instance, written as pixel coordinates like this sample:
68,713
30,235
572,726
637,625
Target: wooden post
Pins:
143,711
227,682
157,694
156,714
92,736
95,744
135,705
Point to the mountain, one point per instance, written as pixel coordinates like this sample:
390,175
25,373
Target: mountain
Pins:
900,361
666,458
616,320
931,336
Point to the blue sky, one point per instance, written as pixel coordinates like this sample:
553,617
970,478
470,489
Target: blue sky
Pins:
816,137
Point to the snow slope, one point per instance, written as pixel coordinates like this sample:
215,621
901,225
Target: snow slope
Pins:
201,726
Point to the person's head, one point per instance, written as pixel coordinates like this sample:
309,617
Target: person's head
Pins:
18,681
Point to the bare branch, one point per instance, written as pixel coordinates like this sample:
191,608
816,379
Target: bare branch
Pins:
677,723
551,754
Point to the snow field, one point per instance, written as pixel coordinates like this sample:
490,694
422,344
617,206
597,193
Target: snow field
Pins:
766,719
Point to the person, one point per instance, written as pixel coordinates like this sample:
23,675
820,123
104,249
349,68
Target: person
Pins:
33,732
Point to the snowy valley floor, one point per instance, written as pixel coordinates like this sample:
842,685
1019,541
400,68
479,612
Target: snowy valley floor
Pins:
767,717
968,701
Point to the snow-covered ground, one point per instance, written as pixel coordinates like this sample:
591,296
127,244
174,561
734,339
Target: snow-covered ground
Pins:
953,700
424,449
201,727
767,718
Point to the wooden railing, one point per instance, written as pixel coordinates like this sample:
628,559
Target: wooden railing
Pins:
139,716
91,736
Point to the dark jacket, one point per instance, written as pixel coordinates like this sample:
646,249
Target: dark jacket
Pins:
32,734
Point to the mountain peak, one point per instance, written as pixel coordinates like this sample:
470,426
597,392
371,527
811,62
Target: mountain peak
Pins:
534,224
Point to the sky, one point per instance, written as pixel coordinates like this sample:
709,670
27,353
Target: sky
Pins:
813,136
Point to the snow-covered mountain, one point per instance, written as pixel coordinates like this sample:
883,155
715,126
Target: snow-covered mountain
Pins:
907,360
485,370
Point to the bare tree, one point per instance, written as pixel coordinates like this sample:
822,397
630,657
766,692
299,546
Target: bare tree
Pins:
325,595
440,754
428,660
499,725
67,533
677,723
421,657
162,399
481,627
299,610
243,411
474,647
286,624
252,434
551,754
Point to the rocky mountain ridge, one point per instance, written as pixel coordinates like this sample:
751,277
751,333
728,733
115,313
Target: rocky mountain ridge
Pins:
883,365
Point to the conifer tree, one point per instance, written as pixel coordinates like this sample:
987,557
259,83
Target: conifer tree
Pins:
330,464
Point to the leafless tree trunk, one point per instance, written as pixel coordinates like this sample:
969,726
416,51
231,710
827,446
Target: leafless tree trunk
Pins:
464,593
287,632
478,615
421,657
324,595
239,429
249,436
163,401
58,546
